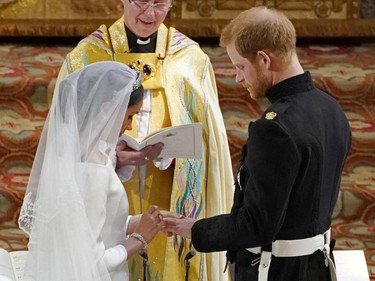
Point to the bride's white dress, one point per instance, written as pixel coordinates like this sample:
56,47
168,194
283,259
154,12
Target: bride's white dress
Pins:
107,210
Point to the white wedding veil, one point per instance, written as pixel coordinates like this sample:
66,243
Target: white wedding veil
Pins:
83,126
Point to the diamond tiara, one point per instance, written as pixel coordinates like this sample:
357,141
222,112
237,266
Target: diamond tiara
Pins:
138,80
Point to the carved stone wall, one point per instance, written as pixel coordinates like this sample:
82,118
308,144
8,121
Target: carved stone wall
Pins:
312,18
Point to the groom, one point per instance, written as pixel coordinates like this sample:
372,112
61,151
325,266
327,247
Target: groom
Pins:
289,176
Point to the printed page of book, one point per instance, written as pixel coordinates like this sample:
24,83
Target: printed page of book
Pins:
6,267
351,265
183,141
131,142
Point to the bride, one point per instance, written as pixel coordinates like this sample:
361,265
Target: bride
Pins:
75,209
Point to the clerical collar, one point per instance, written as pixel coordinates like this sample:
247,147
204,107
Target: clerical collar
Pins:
140,44
143,42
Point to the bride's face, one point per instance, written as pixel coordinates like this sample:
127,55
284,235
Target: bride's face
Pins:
132,110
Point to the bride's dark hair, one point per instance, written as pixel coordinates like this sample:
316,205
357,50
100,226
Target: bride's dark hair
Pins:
136,96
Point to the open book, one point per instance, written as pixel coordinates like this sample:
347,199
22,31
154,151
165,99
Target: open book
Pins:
182,141
12,265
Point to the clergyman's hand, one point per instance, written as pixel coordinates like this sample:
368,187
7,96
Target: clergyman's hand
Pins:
128,156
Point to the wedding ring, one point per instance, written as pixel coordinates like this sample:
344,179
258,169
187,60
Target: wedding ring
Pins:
160,216
146,158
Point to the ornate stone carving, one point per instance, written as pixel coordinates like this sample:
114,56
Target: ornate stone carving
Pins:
312,18
95,7
3,3
367,9
205,8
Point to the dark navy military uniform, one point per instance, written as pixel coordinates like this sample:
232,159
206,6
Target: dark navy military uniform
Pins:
287,184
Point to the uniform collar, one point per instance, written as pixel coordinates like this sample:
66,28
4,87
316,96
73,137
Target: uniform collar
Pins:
291,86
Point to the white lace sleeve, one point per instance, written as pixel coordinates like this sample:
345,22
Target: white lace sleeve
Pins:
125,172
163,163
